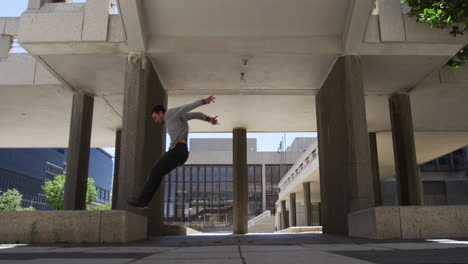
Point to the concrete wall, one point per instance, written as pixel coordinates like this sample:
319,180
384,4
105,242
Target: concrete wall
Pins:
72,227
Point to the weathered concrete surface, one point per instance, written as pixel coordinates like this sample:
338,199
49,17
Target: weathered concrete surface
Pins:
410,222
143,142
71,227
79,142
307,204
240,187
407,171
375,168
344,153
292,209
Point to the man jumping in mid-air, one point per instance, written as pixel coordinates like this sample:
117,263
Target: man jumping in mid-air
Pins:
177,127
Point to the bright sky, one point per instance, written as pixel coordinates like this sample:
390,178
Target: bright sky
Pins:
265,141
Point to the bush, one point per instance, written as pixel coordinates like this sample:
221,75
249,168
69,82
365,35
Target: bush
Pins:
11,201
54,191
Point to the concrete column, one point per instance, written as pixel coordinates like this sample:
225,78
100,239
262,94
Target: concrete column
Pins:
240,187
284,215
143,142
345,171
292,209
36,4
78,152
5,45
115,186
407,171
307,204
375,168
263,187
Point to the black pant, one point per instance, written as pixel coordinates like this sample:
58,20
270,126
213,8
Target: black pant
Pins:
169,161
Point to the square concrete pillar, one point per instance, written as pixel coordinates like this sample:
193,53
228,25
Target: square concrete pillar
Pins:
345,172
143,142
36,4
307,204
292,209
76,180
5,46
284,215
264,187
375,168
407,172
240,186
115,185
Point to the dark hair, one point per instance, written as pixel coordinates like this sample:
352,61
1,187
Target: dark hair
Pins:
158,108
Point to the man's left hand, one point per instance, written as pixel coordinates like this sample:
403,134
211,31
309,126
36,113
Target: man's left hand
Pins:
214,120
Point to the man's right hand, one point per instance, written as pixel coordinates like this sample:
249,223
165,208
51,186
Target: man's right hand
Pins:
209,100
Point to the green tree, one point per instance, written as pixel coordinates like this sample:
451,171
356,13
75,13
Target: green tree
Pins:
442,14
11,200
103,207
54,191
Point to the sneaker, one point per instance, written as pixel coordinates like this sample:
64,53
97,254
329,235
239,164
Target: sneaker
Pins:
137,204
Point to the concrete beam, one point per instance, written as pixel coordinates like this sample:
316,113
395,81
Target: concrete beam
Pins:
407,171
133,22
78,152
356,24
409,49
246,45
240,181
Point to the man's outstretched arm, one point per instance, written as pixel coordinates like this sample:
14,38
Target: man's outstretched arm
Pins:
189,107
201,116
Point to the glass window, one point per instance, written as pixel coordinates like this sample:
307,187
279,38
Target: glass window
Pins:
208,174
216,174
223,174
251,173
229,173
201,174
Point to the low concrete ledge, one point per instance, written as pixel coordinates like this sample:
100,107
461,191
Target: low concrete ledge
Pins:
410,222
300,229
72,227
176,230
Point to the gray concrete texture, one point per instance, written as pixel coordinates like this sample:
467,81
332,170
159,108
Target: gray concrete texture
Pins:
240,186
404,150
244,249
78,152
345,170
71,227
143,142
410,222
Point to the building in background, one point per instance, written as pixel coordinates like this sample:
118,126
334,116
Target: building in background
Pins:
444,181
27,169
199,194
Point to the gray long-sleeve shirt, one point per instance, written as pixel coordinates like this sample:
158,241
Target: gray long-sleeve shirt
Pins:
176,121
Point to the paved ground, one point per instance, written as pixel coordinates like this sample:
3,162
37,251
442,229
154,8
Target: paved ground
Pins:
252,248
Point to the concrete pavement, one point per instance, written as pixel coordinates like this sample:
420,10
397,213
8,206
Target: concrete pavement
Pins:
242,249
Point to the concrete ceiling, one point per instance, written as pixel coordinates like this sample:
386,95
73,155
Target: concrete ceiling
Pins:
244,17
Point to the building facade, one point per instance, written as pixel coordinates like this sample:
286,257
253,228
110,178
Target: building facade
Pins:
27,169
200,193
